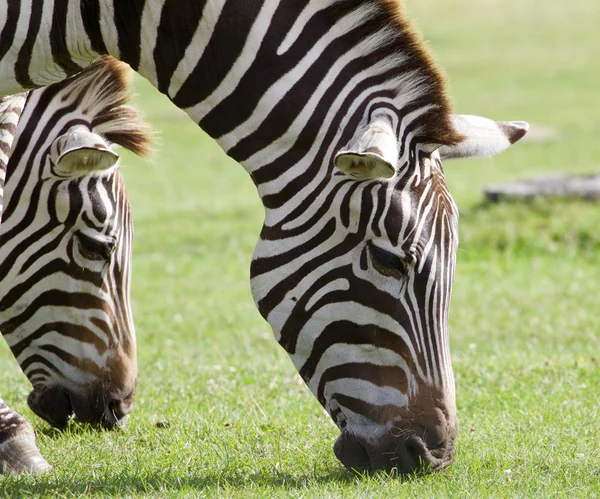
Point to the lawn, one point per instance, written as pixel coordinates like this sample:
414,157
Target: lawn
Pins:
220,410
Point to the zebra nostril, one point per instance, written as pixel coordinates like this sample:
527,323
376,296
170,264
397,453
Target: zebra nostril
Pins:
117,411
351,453
417,457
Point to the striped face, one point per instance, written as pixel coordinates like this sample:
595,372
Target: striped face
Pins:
356,288
65,258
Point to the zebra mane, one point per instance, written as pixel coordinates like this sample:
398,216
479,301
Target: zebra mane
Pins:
102,91
404,40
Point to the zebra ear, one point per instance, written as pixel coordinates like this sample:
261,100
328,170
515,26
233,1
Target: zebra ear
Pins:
372,152
81,152
483,137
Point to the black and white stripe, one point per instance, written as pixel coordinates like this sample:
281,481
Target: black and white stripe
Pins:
339,115
10,112
65,255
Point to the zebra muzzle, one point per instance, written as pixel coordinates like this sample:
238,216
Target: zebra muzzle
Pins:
403,456
57,405
51,404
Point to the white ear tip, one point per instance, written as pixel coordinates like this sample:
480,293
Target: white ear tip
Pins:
520,124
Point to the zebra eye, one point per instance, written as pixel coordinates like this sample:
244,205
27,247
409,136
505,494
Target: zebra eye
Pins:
387,263
95,249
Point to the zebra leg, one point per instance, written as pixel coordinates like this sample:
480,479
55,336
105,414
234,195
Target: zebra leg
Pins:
18,451
10,112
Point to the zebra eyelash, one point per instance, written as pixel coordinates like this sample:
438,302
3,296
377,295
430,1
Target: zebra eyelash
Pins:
387,263
94,249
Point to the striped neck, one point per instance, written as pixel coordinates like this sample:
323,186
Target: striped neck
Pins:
271,82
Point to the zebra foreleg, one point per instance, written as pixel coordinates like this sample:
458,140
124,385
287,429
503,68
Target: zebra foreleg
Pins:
18,452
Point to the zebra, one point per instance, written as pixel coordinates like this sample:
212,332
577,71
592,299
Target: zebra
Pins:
340,116
65,258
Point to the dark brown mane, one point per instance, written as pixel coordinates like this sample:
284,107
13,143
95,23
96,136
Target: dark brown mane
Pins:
436,124
103,90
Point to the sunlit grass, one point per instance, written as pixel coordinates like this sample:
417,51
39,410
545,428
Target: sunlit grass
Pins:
220,410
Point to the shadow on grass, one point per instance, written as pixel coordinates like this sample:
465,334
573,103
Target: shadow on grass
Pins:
73,427
126,483
108,481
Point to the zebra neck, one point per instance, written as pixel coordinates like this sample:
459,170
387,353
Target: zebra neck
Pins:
277,84
282,86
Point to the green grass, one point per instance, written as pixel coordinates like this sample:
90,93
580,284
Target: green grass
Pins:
524,317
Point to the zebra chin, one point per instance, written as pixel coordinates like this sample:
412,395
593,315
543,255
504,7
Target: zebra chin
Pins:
106,407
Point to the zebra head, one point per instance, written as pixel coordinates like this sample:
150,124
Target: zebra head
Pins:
65,252
355,281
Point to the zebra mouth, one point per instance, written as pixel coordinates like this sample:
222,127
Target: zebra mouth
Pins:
53,405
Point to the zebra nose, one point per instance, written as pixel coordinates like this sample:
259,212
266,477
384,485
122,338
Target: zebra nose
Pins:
392,454
56,404
411,456
105,406
117,412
